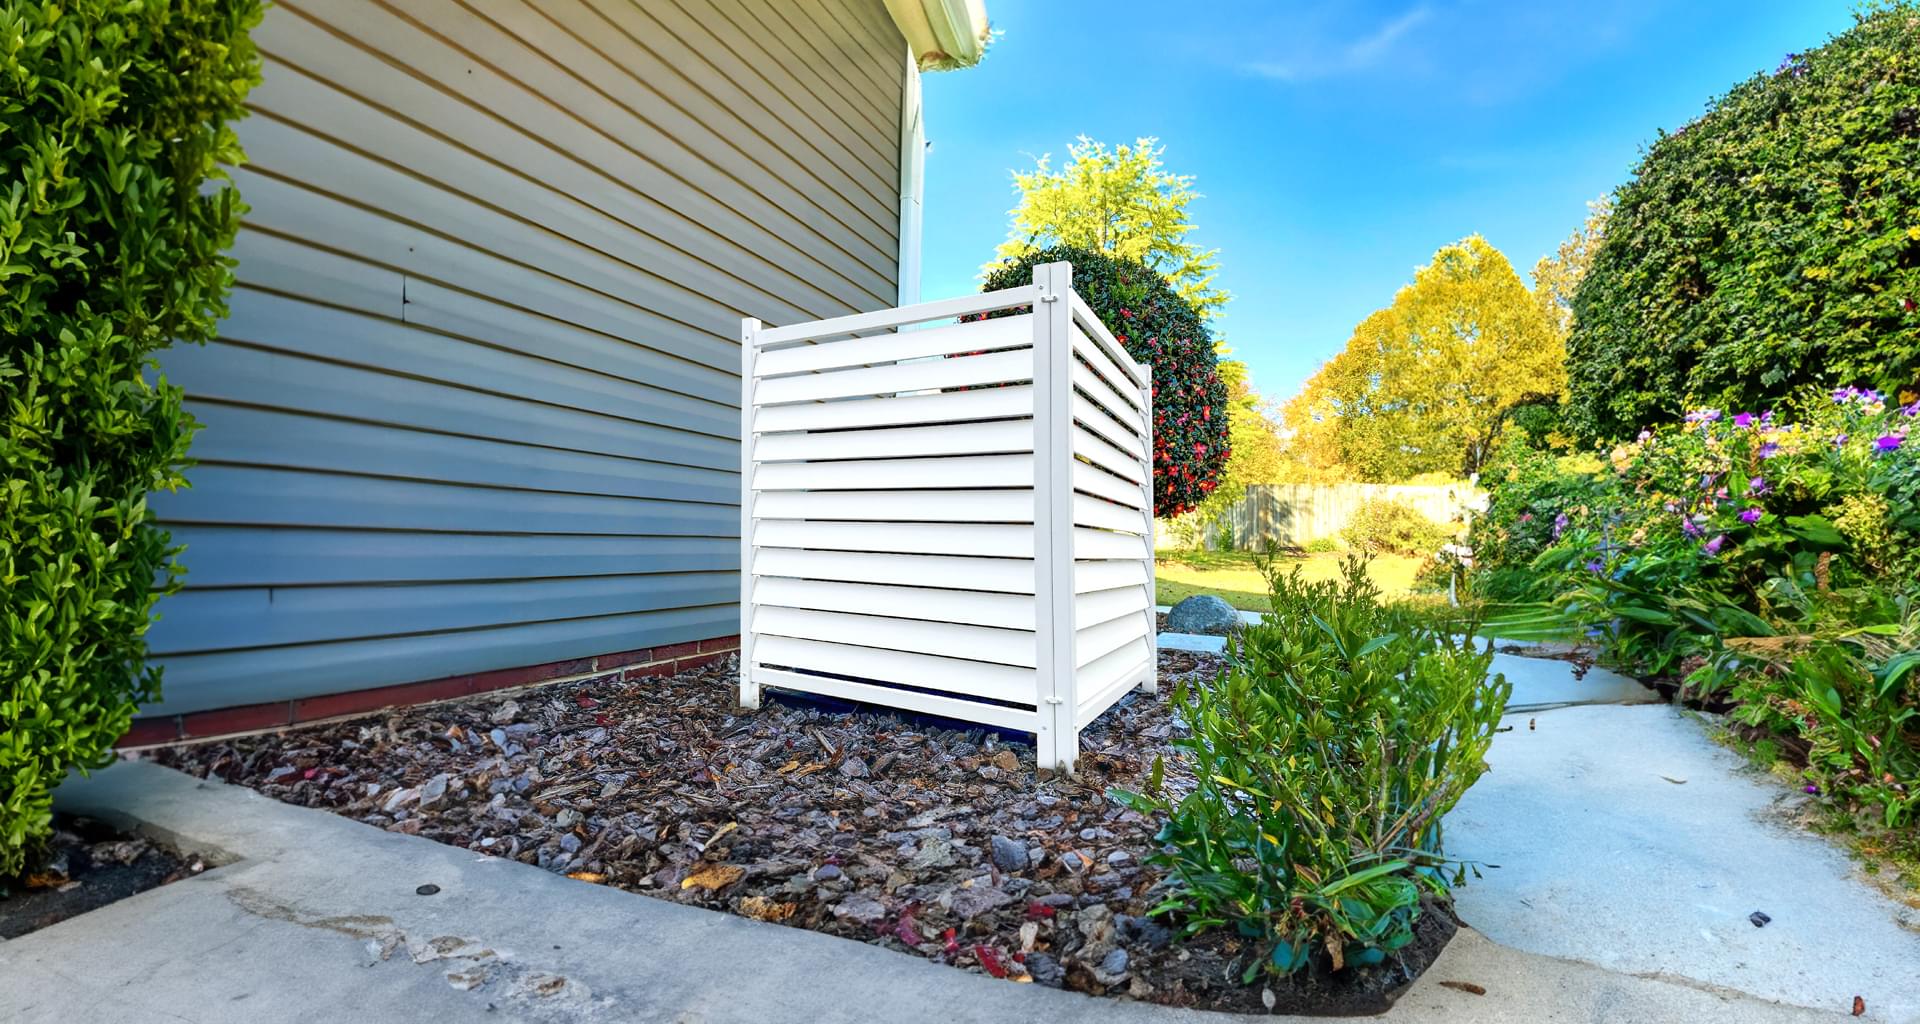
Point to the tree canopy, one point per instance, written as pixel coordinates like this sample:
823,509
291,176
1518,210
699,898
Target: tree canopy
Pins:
1426,384
1119,201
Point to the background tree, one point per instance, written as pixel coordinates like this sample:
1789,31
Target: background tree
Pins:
1768,249
1119,201
1427,384
1165,334
1558,275
1254,442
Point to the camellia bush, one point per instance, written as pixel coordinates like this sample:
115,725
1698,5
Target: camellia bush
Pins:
1164,333
1768,247
1321,765
112,233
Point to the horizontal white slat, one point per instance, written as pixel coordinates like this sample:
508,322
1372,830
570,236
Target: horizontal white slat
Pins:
1003,575
1103,364
1109,575
896,442
1112,401
952,675
1095,607
1086,320
945,407
1099,685
880,320
902,474
959,372
1095,449
1094,480
1096,419
975,336
1090,511
1102,638
914,636
933,704
918,506
989,540
1095,544
973,607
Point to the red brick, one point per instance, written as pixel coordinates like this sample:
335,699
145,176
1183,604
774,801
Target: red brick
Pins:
676,650
658,668
148,732
245,718
699,660
623,659
720,643
501,678
355,702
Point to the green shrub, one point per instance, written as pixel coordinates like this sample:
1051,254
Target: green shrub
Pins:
1321,764
1322,545
1768,248
1390,526
112,231
1167,335
1532,494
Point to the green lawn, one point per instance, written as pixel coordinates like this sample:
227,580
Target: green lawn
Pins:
1231,575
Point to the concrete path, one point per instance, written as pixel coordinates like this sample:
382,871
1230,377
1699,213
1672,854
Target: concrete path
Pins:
1626,838
317,919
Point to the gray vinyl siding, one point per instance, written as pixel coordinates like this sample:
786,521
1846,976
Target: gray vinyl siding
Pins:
476,403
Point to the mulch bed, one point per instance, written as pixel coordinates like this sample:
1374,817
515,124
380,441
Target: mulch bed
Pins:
87,865
942,842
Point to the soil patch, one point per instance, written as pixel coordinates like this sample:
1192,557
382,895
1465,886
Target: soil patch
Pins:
88,865
943,842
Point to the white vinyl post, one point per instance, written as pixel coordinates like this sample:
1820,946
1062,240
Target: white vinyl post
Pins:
749,347
1152,681
1058,739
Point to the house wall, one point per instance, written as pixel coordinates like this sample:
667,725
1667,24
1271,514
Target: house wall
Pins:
476,405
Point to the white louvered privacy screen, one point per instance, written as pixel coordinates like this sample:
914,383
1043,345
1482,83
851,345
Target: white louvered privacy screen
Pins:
955,520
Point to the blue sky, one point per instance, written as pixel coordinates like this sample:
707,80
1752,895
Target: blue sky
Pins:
1338,144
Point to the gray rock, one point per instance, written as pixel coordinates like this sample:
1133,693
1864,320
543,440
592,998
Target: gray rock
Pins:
827,872
1112,969
569,842
933,853
434,791
976,900
1204,614
853,768
860,907
1009,855
1046,970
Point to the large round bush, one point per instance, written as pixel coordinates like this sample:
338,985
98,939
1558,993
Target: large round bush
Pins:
1768,247
1163,332
112,135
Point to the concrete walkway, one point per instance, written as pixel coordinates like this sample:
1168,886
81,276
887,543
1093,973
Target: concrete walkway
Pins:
316,918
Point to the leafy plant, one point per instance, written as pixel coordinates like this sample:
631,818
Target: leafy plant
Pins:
1388,526
1766,248
1322,762
1164,332
113,132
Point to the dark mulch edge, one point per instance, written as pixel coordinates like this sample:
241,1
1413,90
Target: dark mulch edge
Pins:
1201,972
91,879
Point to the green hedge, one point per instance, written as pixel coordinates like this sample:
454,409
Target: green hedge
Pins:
1166,334
112,229
1771,246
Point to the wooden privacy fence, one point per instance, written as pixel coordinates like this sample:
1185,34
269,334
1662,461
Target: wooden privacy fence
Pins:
1298,513
955,520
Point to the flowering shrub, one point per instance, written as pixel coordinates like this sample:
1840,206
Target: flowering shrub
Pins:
1322,763
1770,563
1166,334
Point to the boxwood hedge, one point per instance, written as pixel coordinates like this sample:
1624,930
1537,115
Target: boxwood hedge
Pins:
113,222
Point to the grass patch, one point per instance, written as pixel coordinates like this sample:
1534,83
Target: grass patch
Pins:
1232,576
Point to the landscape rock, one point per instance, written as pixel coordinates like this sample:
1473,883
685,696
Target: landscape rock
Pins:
1009,855
1204,614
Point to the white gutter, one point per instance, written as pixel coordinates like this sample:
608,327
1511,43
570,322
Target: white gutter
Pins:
945,35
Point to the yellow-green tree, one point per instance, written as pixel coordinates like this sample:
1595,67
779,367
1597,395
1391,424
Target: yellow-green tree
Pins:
1425,385
1119,200
1558,275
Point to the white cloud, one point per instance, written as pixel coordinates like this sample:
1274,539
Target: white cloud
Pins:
1357,55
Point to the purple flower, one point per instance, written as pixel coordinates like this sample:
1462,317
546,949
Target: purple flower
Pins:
1688,527
1766,418
1704,416
1751,516
1888,442
1647,435
1713,546
1758,485
1811,788
1842,395
1839,439
1769,450
1559,525
1743,419
1596,566
1912,409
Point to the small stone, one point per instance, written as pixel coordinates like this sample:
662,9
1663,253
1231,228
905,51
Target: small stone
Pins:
399,798
1119,857
861,908
1204,614
827,872
933,853
1006,760
567,818
1113,968
1759,919
973,901
1046,970
433,792
853,768
569,842
1009,855
426,890
505,713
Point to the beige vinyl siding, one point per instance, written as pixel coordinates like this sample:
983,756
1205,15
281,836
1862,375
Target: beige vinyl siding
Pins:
476,404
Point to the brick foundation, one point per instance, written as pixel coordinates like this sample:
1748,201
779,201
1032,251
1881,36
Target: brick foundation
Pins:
640,664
